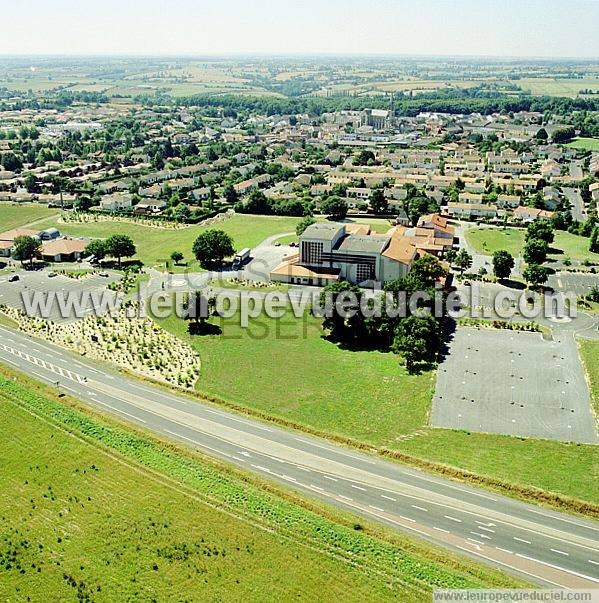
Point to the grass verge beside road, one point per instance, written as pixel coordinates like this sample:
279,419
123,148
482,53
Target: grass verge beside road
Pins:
589,352
92,508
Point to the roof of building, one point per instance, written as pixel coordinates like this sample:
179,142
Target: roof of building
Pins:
64,247
11,235
325,231
363,244
290,267
358,229
400,250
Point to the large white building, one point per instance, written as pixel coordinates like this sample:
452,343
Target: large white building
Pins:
331,251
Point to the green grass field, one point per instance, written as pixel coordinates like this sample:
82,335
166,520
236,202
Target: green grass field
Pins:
489,240
566,469
155,245
589,352
287,369
93,510
585,144
13,215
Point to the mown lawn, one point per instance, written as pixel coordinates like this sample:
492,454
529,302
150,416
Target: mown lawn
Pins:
489,240
286,368
585,144
568,469
589,352
13,215
95,519
155,245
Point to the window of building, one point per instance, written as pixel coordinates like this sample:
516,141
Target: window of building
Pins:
312,253
364,272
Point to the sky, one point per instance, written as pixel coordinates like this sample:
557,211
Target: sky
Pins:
538,28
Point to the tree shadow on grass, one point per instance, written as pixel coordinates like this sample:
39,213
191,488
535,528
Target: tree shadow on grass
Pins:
512,284
204,328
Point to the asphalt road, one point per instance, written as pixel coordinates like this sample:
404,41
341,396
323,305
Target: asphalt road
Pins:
545,547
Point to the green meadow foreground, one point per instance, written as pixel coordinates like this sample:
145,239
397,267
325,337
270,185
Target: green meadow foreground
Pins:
93,510
287,369
489,240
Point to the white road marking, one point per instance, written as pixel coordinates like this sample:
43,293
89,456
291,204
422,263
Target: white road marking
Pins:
358,487
453,518
522,540
504,550
560,552
408,519
481,535
377,508
388,497
346,498
476,541
593,562
330,478
441,530
557,567
420,508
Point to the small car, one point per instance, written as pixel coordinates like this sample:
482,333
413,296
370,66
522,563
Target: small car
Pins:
13,278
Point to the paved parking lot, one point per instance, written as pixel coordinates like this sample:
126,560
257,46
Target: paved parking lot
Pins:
514,383
579,283
30,281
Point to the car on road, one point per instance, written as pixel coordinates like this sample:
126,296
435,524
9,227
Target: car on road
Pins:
13,278
104,274
52,274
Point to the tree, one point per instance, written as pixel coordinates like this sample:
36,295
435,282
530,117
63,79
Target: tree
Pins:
97,248
503,264
450,255
177,257
463,260
182,212
535,275
303,224
541,230
364,157
378,201
535,251
212,247
594,240
120,246
344,328
427,270
334,207
26,248
542,134
417,339
231,194
564,135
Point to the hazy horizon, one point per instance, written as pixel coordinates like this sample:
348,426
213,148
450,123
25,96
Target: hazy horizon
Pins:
533,29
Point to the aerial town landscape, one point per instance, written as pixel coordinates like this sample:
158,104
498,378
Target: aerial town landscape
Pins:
299,326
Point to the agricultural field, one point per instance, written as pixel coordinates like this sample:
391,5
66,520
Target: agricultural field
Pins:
155,244
93,510
489,240
557,86
585,144
14,216
287,369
